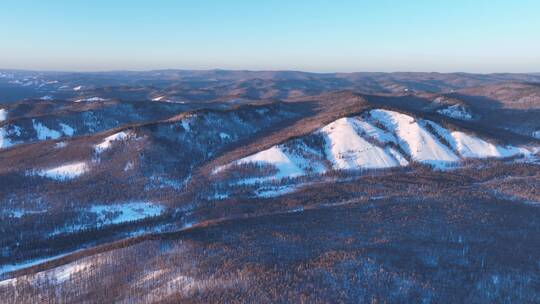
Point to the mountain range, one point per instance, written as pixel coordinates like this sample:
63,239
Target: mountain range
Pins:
269,186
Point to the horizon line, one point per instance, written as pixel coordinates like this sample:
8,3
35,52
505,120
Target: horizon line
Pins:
252,71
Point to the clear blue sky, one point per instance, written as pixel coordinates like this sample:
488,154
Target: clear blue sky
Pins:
378,35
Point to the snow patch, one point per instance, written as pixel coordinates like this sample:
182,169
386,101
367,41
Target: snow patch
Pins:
64,172
107,142
78,88
16,266
60,144
64,273
275,192
67,129
127,212
535,134
185,125
43,132
90,99
219,196
277,158
5,142
46,97
129,165
20,213
5,132
3,114
456,111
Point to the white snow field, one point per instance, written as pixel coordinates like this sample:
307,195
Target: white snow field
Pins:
414,139
67,129
470,146
64,172
276,157
3,114
346,149
43,132
108,141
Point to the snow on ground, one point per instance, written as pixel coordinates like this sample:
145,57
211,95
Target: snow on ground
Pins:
129,165
219,196
347,150
5,132
277,158
120,213
5,142
112,214
60,144
17,213
456,111
90,99
43,132
536,134
224,136
474,147
64,272
185,124
470,146
369,142
3,114
16,266
414,139
165,99
367,129
275,191
78,88
46,97
398,156
108,141
67,129
64,172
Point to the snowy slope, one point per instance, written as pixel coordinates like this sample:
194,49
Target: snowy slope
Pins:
377,139
43,132
276,157
470,146
413,138
346,149
108,141
64,172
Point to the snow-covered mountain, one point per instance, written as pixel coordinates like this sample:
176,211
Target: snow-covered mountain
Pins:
374,140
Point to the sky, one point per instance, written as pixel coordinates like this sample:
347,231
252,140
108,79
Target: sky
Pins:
320,36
